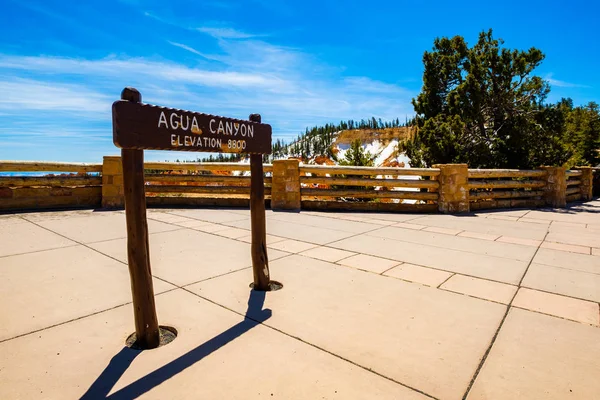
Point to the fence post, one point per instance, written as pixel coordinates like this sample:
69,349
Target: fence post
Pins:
454,188
112,183
285,189
587,178
555,191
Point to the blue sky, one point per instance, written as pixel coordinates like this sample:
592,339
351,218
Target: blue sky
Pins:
298,63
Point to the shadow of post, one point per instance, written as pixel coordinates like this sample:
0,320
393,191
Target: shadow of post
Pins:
111,374
122,360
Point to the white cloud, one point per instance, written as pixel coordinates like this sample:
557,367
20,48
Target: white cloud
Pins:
19,95
183,46
131,68
226,33
559,83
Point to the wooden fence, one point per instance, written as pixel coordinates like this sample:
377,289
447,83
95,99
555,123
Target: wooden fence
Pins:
506,188
289,185
573,191
64,185
367,188
218,184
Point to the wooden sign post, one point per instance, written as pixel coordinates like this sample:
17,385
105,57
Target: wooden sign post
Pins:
138,127
260,260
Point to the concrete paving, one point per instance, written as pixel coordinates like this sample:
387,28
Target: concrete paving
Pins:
490,305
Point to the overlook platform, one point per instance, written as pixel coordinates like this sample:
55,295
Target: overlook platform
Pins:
489,305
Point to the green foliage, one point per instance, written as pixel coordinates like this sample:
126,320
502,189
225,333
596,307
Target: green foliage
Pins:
357,156
220,157
583,130
482,106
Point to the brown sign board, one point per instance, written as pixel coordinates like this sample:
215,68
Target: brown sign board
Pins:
148,127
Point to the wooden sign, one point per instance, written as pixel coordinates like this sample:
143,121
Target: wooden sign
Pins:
148,127
137,127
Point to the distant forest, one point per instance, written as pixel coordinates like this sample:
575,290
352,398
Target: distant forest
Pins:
315,141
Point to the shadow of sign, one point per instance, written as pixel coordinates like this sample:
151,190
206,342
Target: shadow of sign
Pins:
124,358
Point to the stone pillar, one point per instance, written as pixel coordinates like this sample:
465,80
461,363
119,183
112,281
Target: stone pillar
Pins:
285,189
112,183
454,188
555,191
587,178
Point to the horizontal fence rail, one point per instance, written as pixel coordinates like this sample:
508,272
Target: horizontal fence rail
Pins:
351,170
214,166
506,173
39,166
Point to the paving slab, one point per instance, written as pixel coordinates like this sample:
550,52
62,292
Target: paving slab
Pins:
533,221
368,220
194,223
327,254
560,306
423,337
595,228
50,287
566,215
575,237
320,222
445,231
506,213
503,217
408,225
233,233
212,215
369,263
477,235
371,217
566,247
568,282
304,233
521,241
186,256
563,259
23,237
558,226
487,225
49,215
270,239
479,246
541,357
481,288
168,218
217,355
418,274
209,227
292,246
574,228
99,227
479,265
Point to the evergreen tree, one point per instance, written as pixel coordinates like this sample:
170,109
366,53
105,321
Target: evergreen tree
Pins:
583,133
482,106
357,156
